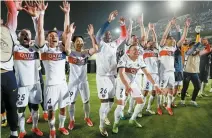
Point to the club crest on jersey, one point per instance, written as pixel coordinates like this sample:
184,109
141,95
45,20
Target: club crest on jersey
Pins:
131,70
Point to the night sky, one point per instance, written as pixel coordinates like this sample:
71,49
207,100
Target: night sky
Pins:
96,13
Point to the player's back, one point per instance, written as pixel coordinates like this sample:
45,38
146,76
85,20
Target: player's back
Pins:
150,58
166,59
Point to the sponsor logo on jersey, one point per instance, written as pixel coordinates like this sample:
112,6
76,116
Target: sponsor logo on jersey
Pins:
53,56
25,56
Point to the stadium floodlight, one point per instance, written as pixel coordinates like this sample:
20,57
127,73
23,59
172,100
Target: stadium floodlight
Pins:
135,9
175,4
117,30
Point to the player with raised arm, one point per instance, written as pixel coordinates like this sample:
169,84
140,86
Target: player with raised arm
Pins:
9,89
78,82
54,56
107,68
166,68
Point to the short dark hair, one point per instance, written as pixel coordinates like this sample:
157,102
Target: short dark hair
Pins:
132,46
75,38
51,32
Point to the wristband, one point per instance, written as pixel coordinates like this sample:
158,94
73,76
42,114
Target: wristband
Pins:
42,12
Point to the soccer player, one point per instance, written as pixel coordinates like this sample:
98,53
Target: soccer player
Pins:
128,66
29,89
9,89
53,56
107,67
150,57
78,75
178,60
166,68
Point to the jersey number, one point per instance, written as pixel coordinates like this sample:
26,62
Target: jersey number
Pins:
22,97
103,91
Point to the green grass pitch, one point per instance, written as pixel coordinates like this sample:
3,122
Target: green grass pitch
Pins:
187,122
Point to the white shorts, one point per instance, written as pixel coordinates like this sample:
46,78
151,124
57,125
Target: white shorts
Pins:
75,89
178,83
120,90
148,85
167,80
56,94
29,94
105,86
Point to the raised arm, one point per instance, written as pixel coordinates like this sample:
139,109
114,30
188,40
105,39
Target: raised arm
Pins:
129,34
143,33
66,10
13,7
165,34
67,35
103,29
40,35
95,47
185,32
154,35
123,33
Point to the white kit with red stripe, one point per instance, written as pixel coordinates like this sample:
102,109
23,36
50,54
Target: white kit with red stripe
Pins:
78,66
166,59
150,57
26,65
54,64
131,71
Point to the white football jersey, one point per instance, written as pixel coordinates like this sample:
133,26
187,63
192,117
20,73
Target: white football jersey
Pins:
106,59
131,67
166,59
78,66
150,57
54,64
25,64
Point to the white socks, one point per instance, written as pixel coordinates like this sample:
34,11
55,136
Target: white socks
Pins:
35,117
118,112
71,112
151,98
169,100
52,124
62,119
137,110
21,121
86,108
131,105
103,113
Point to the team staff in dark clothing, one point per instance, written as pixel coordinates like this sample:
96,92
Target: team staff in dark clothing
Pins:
204,68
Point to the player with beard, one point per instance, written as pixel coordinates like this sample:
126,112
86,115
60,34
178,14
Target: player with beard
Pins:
53,56
107,68
78,75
